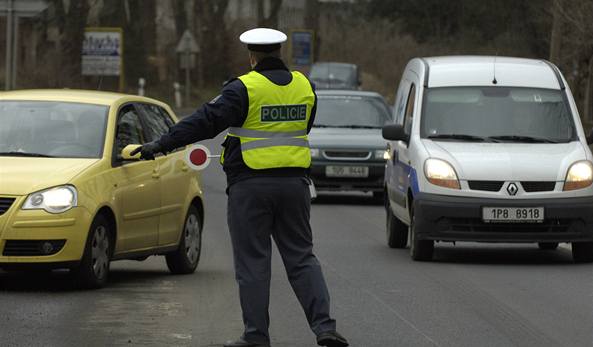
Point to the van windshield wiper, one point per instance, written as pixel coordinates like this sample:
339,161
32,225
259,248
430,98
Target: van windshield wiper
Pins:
346,126
521,138
462,137
25,154
357,126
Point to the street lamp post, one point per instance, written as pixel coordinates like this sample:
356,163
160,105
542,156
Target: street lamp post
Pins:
13,10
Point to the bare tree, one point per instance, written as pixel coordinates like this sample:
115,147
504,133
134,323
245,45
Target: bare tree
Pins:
180,14
577,48
137,19
213,39
556,32
312,23
70,19
270,21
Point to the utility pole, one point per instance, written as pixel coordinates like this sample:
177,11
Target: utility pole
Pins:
7,70
15,51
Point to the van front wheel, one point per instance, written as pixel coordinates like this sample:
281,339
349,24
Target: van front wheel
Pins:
582,252
397,232
420,250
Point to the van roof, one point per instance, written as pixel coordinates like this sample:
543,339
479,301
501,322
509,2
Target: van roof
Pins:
451,71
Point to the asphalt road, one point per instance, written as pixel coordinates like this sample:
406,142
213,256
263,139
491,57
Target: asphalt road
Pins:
471,295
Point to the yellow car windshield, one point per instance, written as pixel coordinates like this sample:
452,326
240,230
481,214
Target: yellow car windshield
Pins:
52,129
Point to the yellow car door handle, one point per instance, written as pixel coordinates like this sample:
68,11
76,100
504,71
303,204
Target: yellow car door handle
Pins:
155,174
184,168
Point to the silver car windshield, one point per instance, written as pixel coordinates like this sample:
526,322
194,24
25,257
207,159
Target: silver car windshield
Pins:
350,111
333,73
52,129
497,114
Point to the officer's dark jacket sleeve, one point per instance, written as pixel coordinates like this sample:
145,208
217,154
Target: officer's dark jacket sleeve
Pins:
227,109
313,110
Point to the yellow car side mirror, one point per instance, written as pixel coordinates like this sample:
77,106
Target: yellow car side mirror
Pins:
125,153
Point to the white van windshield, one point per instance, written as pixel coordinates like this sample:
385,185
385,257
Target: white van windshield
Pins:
52,129
498,114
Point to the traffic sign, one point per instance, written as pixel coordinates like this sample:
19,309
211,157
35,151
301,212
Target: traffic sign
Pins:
301,47
187,43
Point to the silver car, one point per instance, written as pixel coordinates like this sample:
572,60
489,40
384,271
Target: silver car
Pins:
347,150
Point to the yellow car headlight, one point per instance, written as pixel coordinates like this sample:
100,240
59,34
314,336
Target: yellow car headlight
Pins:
441,173
53,200
579,176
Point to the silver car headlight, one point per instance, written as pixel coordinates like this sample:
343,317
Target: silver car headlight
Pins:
381,154
53,200
315,153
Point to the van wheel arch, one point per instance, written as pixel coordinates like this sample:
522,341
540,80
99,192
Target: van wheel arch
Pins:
420,250
410,202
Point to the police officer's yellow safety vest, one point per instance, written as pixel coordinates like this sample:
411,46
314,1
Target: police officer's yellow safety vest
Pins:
274,134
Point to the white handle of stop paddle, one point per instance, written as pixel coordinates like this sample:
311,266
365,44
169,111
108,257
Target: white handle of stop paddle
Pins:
198,166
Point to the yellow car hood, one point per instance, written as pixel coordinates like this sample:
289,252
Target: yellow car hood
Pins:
21,176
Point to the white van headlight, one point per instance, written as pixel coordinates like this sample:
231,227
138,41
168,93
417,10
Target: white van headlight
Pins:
441,173
579,176
54,200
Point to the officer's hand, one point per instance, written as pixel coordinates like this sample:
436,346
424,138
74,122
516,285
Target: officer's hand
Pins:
148,150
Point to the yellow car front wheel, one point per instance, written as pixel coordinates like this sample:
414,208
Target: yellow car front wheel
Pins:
94,267
185,259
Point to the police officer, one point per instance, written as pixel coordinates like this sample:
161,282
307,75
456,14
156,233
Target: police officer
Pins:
266,157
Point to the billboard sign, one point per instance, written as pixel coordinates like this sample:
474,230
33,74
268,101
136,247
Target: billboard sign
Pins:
301,47
102,52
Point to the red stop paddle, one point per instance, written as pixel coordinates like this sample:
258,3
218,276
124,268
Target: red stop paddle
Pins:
198,157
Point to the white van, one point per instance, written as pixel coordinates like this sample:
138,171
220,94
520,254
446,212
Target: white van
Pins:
487,149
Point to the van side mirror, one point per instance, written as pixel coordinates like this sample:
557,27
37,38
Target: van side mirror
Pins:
590,137
395,132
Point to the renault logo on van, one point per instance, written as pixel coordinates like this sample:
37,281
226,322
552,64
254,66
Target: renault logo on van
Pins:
512,189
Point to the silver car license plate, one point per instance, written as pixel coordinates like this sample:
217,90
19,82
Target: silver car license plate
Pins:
347,171
513,214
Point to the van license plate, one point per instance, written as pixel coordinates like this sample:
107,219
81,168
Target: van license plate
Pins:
513,214
347,171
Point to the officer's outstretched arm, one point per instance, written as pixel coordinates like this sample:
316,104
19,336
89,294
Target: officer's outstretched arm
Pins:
227,109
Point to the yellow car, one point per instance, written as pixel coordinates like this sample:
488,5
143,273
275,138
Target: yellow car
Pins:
71,196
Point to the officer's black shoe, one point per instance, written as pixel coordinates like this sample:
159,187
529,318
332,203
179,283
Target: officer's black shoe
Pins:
242,343
331,339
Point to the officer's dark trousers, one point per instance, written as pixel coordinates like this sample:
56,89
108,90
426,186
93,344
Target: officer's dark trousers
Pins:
275,207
